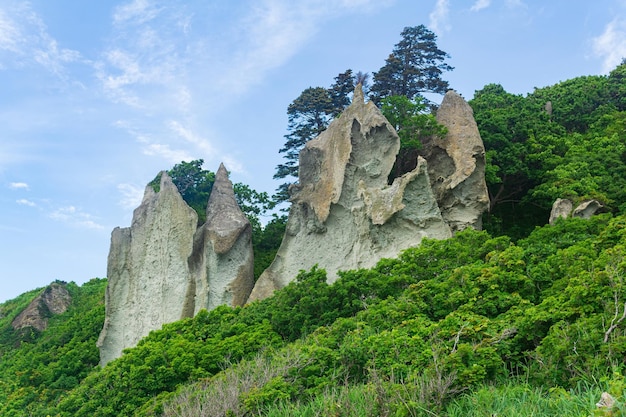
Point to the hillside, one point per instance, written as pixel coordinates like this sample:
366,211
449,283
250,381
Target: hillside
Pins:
522,313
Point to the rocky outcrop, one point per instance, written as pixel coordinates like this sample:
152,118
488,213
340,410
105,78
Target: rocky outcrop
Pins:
55,299
563,208
149,279
223,262
456,165
587,209
345,214
164,268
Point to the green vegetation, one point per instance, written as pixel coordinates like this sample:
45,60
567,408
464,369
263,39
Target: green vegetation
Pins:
521,319
195,184
37,369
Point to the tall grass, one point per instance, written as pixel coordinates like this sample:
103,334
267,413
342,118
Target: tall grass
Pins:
521,400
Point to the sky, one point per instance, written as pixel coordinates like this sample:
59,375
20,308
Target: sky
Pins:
96,97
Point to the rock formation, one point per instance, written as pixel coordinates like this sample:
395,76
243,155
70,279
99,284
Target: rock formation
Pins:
55,299
563,208
149,278
456,165
223,262
345,214
163,268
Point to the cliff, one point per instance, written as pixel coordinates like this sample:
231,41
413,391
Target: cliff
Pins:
345,214
163,268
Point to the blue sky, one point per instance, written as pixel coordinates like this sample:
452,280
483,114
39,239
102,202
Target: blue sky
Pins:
98,96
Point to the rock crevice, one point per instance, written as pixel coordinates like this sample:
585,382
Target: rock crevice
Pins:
345,215
163,268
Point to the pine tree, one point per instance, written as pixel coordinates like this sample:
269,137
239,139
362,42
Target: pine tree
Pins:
309,115
414,67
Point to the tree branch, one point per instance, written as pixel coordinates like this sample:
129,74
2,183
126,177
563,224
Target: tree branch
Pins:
614,323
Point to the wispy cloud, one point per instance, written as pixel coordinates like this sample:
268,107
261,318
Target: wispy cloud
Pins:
19,186
480,4
25,202
610,46
439,17
137,11
75,217
131,195
201,143
24,40
165,63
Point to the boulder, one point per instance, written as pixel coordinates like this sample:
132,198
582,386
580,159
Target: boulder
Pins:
149,279
344,213
223,263
561,209
55,299
456,165
587,209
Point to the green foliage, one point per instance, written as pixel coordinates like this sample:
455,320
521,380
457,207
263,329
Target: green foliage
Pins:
182,351
415,66
37,371
562,141
266,242
309,115
413,124
195,184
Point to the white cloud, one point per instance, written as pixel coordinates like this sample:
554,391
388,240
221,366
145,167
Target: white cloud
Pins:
19,186
439,17
10,35
75,217
137,11
25,39
188,135
480,4
611,45
274,31
131,195
25,202
164,151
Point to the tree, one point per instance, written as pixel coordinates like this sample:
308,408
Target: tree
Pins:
415,66
309,115
413,123
194,185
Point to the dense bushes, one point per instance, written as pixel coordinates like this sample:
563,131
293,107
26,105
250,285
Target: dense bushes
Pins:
36,369
438,320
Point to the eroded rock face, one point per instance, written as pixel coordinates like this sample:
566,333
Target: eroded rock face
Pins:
344,214
223,262
587,209
456,165
55,299
163,268
149,279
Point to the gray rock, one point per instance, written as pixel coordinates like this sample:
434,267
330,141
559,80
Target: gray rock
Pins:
223,262
344,214
561,208
149,279
456,165
587,209
163,268
55,299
